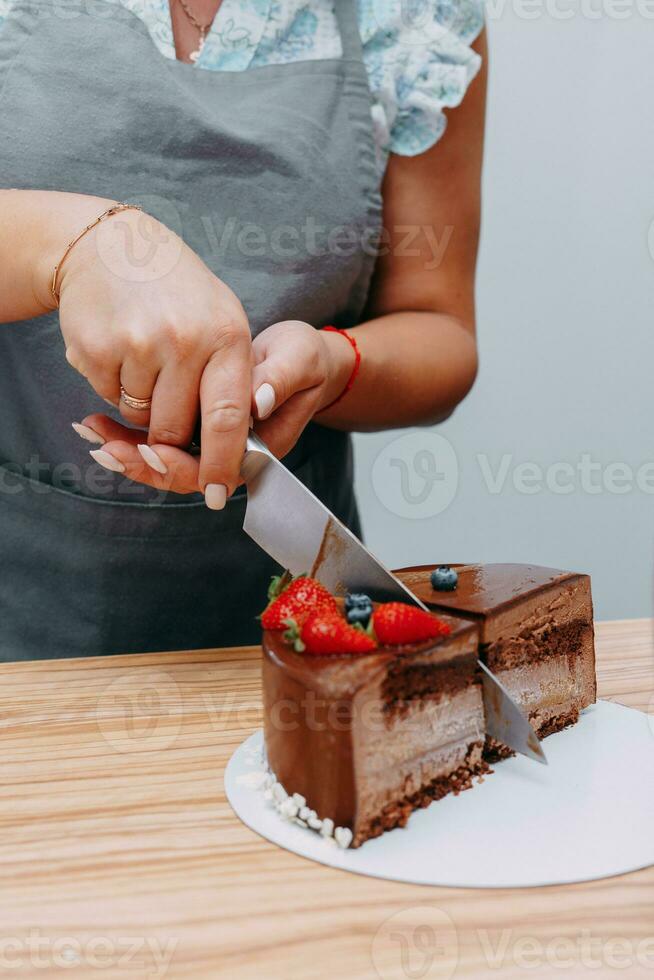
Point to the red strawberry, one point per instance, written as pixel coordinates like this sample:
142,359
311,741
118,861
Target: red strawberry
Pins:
303,596
324,633
396,623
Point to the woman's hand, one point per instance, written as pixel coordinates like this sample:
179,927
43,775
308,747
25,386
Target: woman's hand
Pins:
306,370
164,328
298,370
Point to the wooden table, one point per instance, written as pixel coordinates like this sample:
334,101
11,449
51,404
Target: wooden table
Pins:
119,855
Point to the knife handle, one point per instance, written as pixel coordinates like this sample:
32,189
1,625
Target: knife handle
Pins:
196,441
195,444
256,452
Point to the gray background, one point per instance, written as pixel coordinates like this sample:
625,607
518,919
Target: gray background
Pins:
566,280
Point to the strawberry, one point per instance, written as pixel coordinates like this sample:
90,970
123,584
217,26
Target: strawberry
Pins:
295,601
324,633
396,623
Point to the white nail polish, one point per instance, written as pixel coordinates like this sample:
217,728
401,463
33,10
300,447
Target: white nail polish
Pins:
215,496
86,432
264,399
152,459
107,460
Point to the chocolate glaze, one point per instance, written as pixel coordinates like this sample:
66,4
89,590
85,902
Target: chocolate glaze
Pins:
483,590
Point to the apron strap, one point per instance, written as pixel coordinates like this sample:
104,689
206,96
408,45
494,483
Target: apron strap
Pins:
348,25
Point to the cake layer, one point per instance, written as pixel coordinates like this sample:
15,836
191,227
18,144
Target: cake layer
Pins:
423,737
383,739
556,687
447,769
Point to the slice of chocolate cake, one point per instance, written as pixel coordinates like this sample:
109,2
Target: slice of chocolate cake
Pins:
365,739
536,632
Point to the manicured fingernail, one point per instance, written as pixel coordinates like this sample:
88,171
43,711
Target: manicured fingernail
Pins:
107,460
215,496
86,432
264,399
152,458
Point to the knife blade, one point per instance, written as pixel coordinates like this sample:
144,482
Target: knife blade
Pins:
505,721
303,536
291,525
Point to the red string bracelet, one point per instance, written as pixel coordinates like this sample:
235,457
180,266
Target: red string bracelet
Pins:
355,369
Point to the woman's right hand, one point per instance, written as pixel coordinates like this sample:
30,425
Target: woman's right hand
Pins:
166,328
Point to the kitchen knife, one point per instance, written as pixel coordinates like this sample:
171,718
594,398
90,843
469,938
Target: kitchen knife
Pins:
505,721
303,536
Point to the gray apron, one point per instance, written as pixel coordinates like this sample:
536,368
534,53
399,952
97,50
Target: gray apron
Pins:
270,176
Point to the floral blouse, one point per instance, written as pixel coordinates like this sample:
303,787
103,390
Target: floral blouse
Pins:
417,52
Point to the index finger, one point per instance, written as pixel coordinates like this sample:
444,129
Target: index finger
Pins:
225,397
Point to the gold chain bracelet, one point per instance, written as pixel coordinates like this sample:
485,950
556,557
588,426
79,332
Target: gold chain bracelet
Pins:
109,213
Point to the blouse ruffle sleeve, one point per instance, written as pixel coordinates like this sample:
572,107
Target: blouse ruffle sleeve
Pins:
420,61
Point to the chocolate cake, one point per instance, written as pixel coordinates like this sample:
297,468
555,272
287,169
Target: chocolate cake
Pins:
361,739
364,740
536,634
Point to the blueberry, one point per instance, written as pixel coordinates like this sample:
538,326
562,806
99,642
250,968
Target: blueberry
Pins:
355,600
444,579
360,615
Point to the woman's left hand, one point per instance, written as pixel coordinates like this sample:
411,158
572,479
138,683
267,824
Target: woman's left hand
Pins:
297,372
304,370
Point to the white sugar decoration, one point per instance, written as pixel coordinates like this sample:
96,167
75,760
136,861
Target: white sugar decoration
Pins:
256,757
327,828
253,780
288,808
279,792
293,807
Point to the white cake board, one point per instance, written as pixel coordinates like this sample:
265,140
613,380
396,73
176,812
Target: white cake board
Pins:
589,814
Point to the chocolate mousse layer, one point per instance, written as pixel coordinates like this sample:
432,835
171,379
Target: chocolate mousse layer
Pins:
368,738
536,634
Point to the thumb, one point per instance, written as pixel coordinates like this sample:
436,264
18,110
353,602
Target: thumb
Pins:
274,380
288,362
264,399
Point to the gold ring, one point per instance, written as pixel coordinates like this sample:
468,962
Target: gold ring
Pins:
138,404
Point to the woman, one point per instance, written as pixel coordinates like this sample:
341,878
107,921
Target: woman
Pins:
289,164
